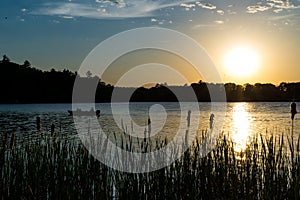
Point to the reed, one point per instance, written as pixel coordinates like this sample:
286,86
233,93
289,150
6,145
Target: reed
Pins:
58,168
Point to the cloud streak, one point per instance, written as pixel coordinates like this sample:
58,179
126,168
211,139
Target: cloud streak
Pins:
257,8
118,9
275,5
206,5
109,9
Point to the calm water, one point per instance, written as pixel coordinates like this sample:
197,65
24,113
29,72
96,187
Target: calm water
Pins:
242,120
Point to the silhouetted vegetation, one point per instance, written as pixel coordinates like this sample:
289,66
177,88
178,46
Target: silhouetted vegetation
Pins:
55,168
26,84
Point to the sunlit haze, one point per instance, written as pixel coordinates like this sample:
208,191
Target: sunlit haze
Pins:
241,62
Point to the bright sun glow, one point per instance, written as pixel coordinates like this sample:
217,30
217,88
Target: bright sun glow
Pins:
241,62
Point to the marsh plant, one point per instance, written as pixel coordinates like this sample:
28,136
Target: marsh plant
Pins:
58,168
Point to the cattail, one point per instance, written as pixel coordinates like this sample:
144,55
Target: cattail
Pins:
293,110
188,118
211,121
52,129
145,134
98,113
293,113
149,125
38,123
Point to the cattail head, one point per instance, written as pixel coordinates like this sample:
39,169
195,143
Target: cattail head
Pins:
52,130
38,124
293,110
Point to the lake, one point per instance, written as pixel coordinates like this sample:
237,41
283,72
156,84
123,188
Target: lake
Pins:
242,121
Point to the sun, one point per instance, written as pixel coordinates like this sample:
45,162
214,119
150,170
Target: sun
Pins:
241,62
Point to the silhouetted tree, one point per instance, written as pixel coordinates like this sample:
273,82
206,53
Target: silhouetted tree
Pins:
248,92
26,64
5,59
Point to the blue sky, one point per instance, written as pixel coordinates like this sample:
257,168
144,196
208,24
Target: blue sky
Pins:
60,33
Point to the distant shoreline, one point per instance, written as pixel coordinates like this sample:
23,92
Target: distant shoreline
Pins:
24,84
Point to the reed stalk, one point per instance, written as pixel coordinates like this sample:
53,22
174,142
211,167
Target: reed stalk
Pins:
63,169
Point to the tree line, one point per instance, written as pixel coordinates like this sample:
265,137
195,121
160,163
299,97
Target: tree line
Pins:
23,83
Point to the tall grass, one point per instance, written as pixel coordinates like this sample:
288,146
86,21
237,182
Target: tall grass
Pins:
54,168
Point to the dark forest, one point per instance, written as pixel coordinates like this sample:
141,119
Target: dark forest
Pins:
22,83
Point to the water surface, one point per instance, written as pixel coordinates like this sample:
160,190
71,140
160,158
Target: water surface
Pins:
242,120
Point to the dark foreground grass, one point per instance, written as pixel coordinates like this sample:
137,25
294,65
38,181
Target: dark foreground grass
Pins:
59,169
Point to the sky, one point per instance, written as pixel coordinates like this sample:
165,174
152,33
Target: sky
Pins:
60,33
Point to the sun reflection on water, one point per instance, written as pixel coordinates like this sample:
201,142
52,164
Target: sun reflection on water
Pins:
240,128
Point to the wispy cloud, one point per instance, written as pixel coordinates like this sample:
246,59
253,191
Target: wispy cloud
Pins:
186,5
198,3
206,5
219,22
113,9
221,12
101,9
283,17
257,8
282,4
92,11
215,24
67,17
275,5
